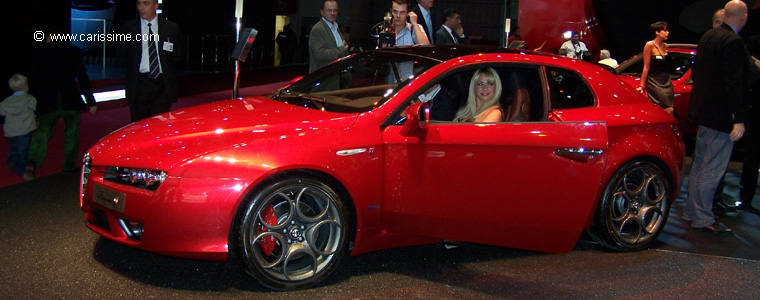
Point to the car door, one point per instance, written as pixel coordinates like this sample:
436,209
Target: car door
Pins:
680,69
526,185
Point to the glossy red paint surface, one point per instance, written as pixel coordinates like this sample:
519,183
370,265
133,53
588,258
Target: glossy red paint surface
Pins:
468,167
566,16
505,184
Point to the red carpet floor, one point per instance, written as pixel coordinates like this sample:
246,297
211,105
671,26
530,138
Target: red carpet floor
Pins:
105,121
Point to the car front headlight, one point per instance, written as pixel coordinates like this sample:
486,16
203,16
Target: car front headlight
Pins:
86,164
142,178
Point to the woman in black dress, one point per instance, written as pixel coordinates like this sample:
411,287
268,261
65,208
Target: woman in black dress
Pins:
655,77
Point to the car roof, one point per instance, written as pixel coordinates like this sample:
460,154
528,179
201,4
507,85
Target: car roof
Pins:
684,48
446,52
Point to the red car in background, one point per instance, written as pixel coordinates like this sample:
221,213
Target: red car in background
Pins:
347,160
681,57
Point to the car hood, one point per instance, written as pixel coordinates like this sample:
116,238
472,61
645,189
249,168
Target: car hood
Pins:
165,140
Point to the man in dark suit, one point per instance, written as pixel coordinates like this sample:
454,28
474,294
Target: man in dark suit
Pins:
451,31
150,61
444,103
287,41
424,9
326,43
718,99
55,71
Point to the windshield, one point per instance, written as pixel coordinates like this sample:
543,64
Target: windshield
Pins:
678,64
356,84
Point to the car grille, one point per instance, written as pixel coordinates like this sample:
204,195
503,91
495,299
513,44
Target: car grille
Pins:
99,219
132,229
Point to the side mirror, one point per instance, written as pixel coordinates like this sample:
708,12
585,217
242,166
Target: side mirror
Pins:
413,114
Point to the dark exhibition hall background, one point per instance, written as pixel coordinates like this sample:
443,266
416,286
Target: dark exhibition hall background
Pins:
624,24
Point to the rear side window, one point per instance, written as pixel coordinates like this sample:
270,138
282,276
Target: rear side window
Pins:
567,89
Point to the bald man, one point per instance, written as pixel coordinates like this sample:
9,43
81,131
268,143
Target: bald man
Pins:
717,105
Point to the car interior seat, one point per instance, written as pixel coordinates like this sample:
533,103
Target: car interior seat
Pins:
519,108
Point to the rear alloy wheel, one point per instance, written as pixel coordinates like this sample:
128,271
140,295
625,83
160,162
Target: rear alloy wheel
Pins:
292,233
634,207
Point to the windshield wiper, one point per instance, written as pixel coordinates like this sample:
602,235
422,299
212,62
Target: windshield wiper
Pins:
309,101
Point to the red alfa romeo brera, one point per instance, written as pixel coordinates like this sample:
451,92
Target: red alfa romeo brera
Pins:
363,155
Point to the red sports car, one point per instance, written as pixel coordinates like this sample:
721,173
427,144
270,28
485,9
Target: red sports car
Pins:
348,160
681,58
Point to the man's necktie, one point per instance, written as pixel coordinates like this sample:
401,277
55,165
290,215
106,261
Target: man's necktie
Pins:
153,54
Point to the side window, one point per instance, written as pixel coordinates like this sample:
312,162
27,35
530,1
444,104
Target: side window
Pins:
567,89
522,99
679,64
448,95
518,93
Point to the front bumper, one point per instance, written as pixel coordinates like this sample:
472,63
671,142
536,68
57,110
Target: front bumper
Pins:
184,217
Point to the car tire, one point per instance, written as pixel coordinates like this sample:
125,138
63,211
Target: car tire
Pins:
292,233
634,207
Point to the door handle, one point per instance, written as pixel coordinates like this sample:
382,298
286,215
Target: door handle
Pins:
579,154
580,151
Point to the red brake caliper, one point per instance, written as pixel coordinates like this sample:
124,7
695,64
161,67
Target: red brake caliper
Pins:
268,243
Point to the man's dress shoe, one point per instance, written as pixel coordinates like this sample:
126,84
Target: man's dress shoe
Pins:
720,207
716,227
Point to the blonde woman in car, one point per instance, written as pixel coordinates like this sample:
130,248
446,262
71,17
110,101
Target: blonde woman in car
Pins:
483,99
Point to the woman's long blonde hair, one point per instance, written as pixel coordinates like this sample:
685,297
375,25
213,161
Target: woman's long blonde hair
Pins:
469,111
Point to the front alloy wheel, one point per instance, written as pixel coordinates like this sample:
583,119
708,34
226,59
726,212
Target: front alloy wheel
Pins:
292,233
634,207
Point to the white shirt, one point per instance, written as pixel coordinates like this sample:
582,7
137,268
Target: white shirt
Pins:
426,97
145,59
334,28
610,62
571,49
